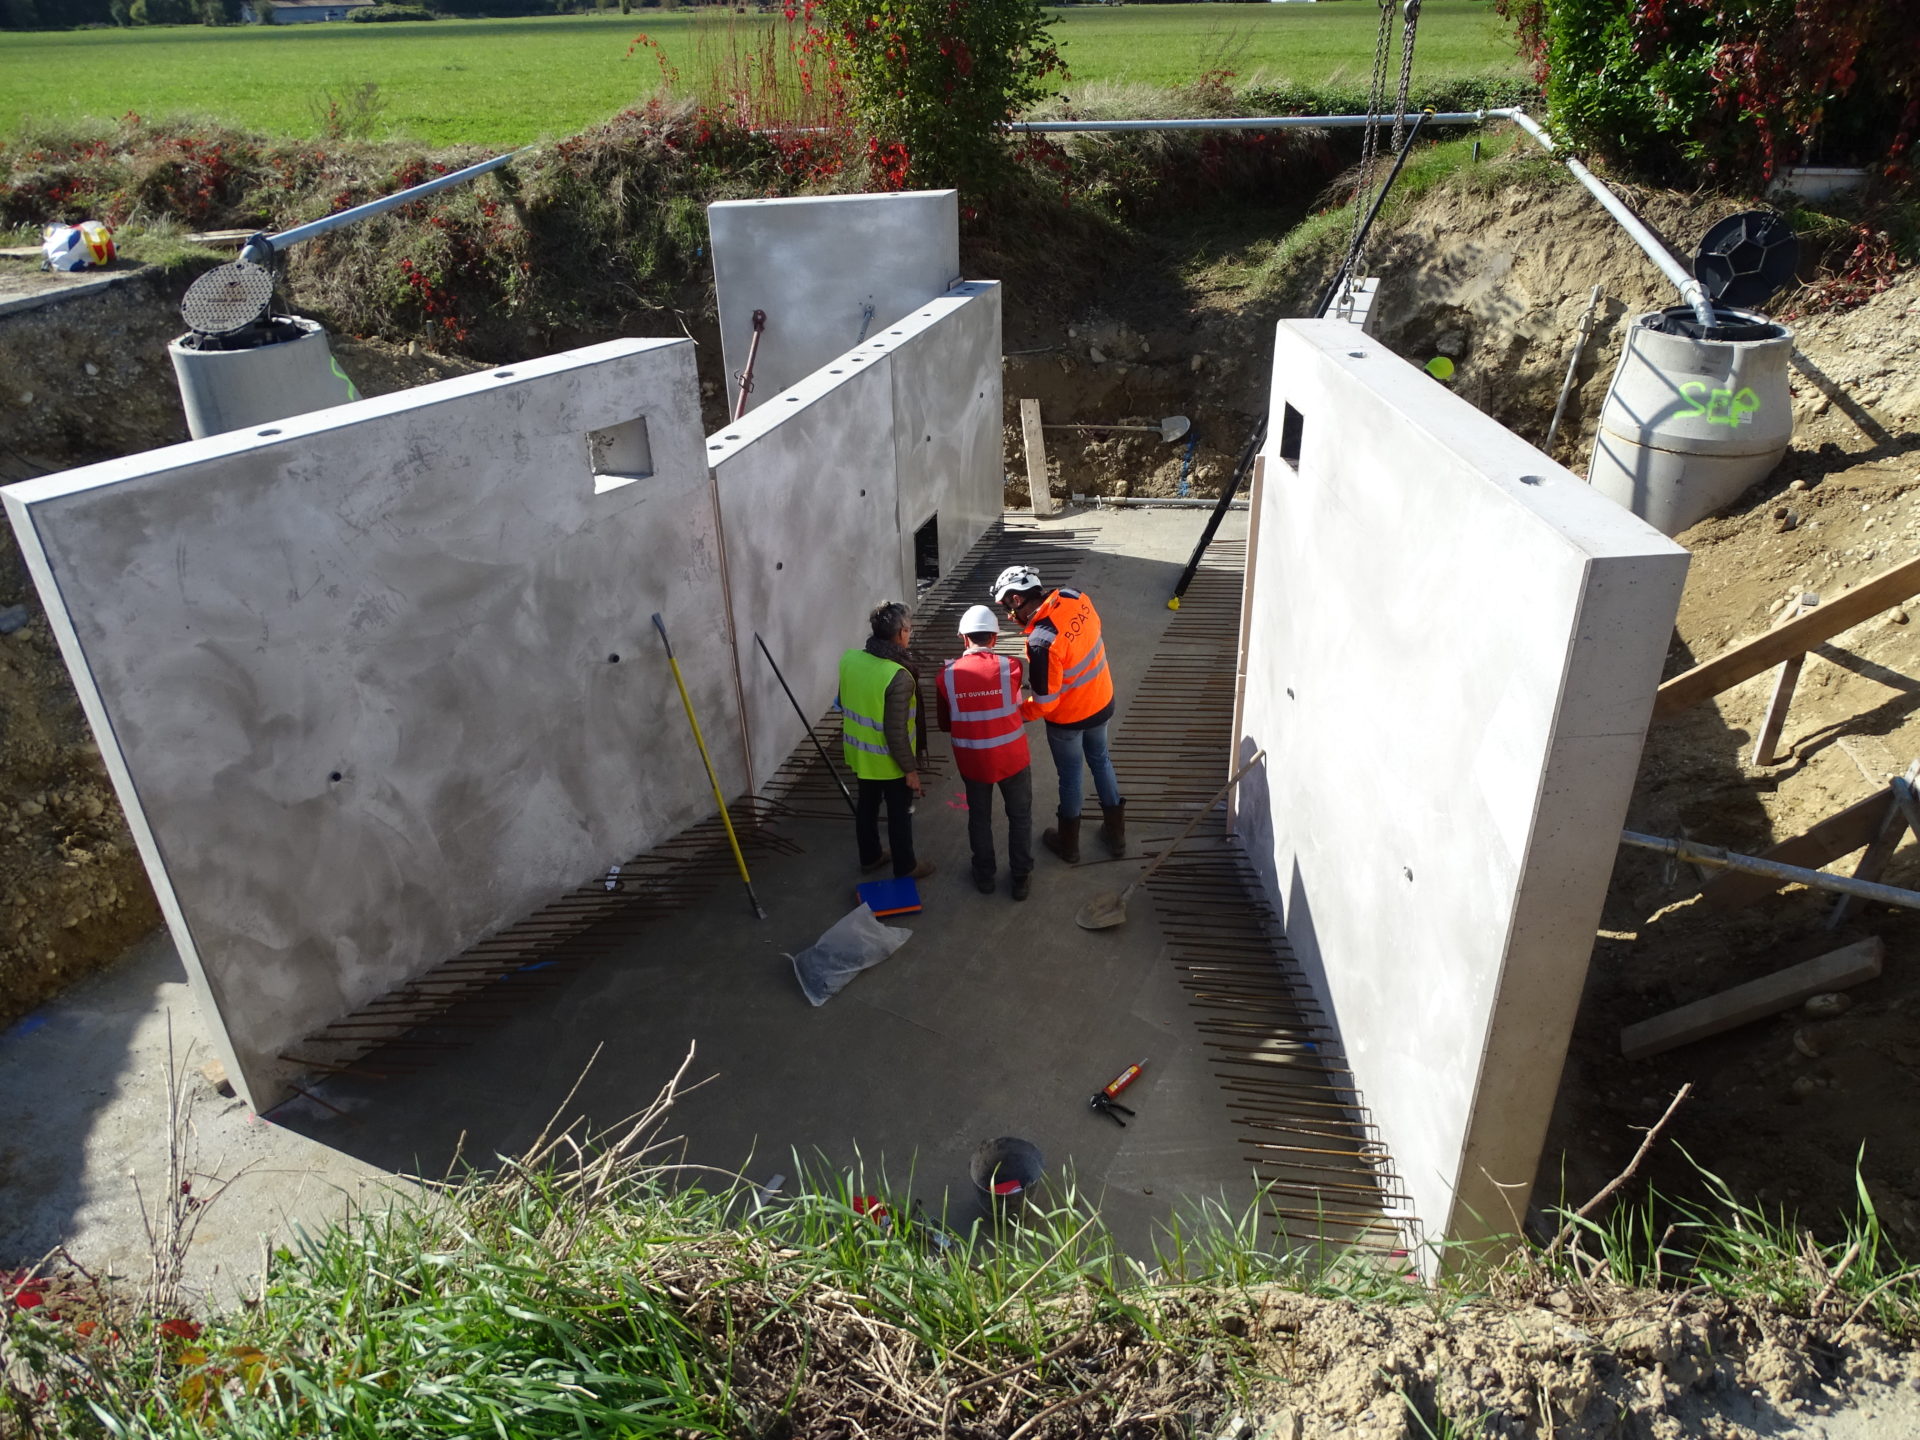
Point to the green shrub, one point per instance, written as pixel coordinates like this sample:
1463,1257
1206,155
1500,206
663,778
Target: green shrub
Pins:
377,14
1728,89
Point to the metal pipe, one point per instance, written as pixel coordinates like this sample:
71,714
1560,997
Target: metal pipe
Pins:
260,249
1253,122
1692,292
1773,869
1156,502
1573,367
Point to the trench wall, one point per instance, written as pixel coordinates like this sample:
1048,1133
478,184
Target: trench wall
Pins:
1451,651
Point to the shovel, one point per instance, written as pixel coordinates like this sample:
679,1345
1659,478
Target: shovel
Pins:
1103,912
1170,428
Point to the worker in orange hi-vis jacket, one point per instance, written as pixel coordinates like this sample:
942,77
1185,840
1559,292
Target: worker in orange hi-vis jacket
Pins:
979,705
1073,692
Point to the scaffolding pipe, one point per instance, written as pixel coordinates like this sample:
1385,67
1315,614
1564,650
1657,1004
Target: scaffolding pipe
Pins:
1254,122
1774,870
260,249
1692,292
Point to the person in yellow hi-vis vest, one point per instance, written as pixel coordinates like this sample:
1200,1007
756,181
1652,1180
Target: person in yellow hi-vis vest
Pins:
879,736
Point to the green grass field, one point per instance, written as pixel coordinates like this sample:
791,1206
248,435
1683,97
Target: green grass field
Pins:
507,82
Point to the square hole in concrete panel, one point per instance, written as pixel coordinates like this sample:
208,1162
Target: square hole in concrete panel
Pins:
1291,424
619,455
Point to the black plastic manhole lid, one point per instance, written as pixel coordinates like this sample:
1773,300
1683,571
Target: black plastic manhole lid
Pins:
1746,258
227,299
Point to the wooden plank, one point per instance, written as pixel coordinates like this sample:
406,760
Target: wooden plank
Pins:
1755,1000
1036,445
1833,837
1792,637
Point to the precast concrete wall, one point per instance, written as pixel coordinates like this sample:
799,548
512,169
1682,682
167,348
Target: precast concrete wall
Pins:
376,681
1451,646
830,271
821,490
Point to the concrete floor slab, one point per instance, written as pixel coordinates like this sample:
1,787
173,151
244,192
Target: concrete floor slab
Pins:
995,1018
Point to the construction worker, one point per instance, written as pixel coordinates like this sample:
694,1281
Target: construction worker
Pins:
879,736
979,705
1073,692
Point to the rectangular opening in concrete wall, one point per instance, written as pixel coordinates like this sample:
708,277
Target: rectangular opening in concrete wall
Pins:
926,551
1291,424
620,455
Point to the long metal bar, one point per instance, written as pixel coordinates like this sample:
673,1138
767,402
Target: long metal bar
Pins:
1245,468
1692,292
1785,874
259,249
1251,122
844,794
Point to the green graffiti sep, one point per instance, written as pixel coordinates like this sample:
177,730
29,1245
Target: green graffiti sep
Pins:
1718,407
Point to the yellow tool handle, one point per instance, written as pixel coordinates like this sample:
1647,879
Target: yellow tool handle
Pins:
712,779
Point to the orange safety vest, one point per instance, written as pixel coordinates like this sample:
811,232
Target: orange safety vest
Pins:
982,692
1077,668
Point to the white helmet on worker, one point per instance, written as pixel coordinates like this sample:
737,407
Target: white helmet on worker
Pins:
1016,577
979,621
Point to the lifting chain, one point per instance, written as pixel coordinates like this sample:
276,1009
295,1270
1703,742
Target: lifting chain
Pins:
1356,269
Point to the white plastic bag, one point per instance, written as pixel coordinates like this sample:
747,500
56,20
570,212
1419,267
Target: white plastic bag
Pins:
855,942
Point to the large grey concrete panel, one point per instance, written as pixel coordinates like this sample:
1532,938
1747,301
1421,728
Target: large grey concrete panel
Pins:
946,418
809,507
353,673
831,271
820,493
1452,650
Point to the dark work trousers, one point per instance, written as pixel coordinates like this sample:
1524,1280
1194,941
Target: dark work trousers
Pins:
1017,792
866,824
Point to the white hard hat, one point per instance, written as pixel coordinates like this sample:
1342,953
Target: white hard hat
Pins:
1016,577
979,621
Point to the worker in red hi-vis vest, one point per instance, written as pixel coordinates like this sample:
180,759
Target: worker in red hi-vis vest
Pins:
979,705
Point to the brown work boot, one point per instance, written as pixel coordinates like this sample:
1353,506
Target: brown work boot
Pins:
1065,841
886,858
921,871
1113,829
1022,886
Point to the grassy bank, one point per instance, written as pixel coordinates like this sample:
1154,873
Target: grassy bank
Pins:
585,1290
510,82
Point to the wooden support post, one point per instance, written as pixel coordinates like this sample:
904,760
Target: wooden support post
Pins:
1036,447
1755,1000
1892,831
1776,717
1793,637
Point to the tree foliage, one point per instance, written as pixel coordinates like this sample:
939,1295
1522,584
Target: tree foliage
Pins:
932,84
1734,88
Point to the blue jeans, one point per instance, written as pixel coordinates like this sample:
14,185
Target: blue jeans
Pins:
1068,747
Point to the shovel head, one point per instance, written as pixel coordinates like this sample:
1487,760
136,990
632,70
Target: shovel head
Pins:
1103,912
1172,427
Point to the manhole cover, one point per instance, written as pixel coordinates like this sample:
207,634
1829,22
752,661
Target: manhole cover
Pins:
227,299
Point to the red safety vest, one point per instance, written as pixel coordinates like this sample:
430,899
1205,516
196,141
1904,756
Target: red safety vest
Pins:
982,691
